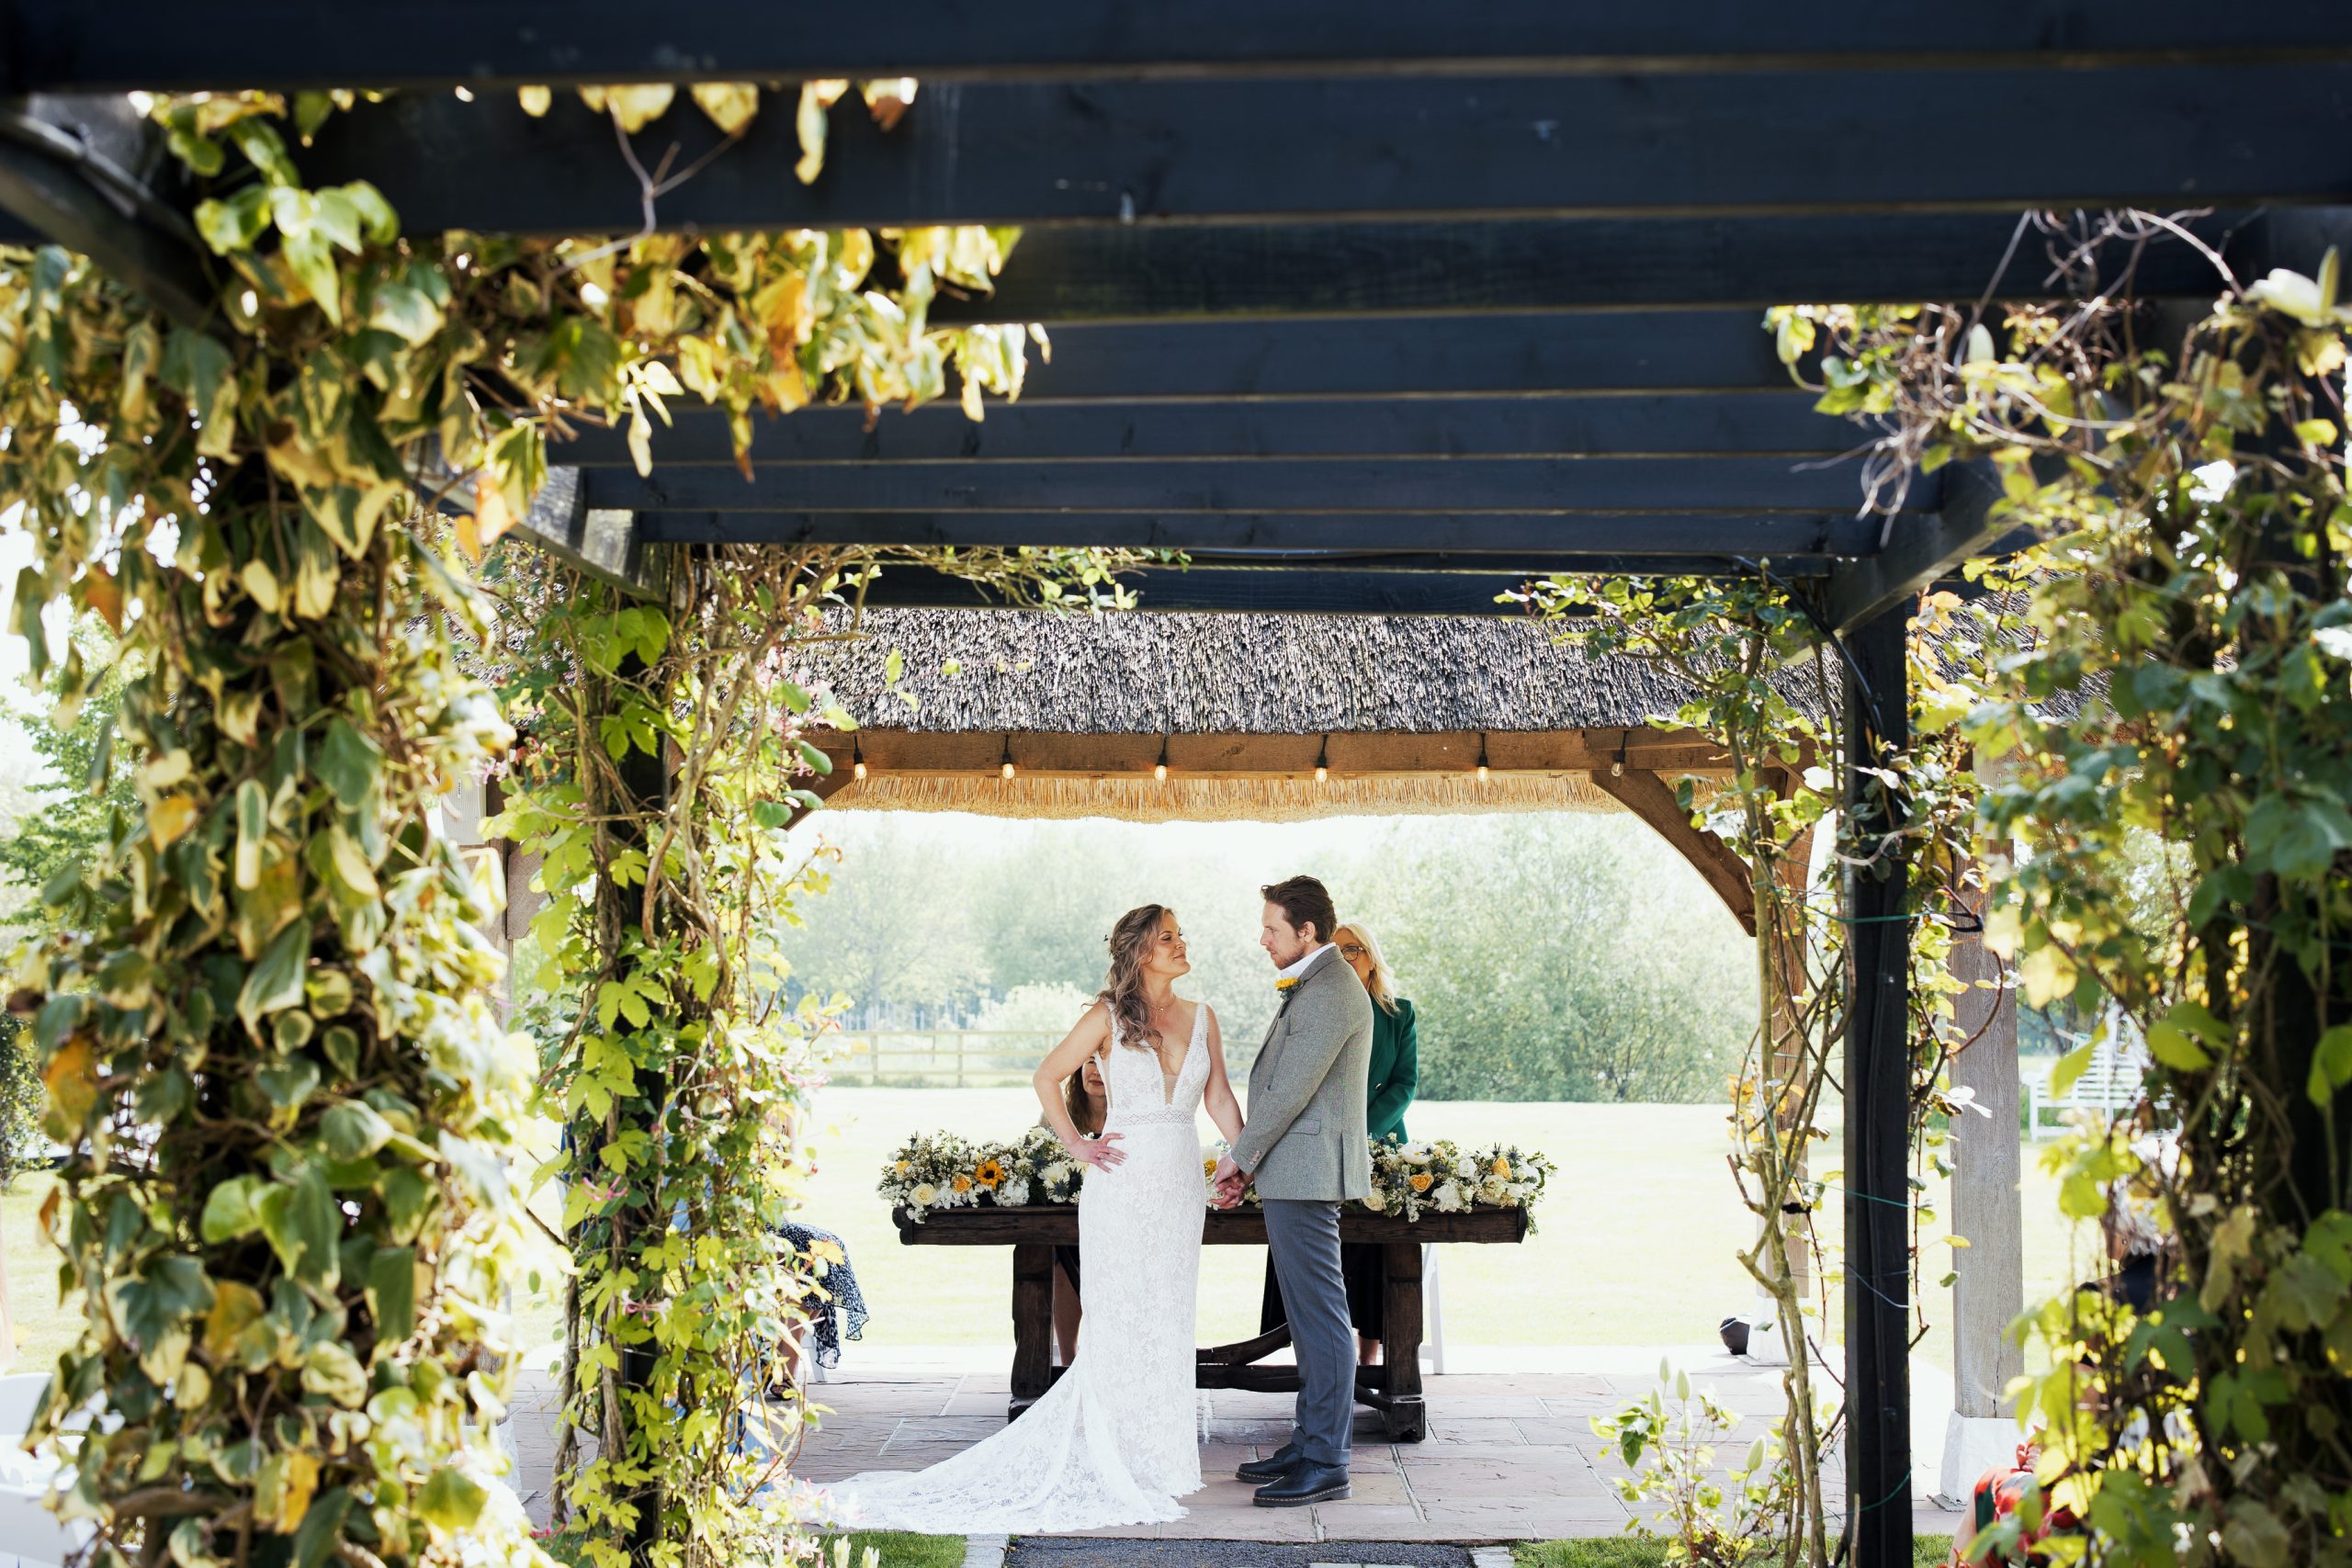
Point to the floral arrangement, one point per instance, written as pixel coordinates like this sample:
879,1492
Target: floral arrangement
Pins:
941,1171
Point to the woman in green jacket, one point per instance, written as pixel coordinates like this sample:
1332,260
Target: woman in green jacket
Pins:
1395,1073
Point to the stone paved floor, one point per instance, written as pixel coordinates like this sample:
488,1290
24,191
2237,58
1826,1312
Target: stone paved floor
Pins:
1510,1456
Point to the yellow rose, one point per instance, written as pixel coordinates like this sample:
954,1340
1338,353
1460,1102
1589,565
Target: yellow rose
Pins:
962,1184
906,1168
1420,1182
1501,1168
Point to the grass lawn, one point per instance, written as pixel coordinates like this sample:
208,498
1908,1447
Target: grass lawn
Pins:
897,1548
1636,1245
1637,1551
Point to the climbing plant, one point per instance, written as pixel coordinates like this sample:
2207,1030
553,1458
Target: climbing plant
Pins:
266,1016
1763,682
2189,678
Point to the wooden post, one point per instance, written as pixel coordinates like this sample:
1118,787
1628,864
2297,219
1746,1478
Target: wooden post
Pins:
1033,1325
1988,1284
1877,1198
1401,1341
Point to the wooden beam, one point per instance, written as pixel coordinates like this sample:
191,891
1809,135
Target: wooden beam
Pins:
1031,153
1798,542
82,180
1877,1198
605,544
1921,549
1647,796
1530,263
1559,754
1239,591
1274,484
1505,353
287,44
1658,423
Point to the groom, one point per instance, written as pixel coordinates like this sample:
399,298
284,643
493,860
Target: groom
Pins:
1304,1145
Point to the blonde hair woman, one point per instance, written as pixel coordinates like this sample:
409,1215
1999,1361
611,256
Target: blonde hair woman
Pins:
1394,1074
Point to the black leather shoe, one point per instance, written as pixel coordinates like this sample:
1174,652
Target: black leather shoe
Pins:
1309,1483
1273,1467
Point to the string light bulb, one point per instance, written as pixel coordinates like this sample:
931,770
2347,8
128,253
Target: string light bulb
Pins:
1160,769
1482,757
1007,769
856,761
1323,761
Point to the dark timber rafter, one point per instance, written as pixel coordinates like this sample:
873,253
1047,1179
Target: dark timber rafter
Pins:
161,45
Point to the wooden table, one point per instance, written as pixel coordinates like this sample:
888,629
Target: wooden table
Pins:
1393,1387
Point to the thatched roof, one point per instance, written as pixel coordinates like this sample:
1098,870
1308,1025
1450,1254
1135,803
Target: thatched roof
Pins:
994,671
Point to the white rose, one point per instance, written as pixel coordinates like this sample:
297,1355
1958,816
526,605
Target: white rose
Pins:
1448,1198
1376,1199
1466,1168
925,1195
1495,1191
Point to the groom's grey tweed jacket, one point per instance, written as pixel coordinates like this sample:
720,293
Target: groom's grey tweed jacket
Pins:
1305,1132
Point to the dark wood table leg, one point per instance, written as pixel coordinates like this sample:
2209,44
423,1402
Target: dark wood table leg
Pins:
1401,1341
1033,1325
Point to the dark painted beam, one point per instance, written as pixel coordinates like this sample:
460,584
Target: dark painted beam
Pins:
1877,1196
1274,484
1922,547
1659,536
89,176
1240,591
164,45
1503,353
1516,264
1037,153
1662,423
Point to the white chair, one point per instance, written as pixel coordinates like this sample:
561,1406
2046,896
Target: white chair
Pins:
2109,1086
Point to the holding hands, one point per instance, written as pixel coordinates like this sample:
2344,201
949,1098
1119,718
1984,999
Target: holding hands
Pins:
1230,1181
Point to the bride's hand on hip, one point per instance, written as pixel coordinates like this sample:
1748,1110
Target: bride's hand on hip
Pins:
1097,1151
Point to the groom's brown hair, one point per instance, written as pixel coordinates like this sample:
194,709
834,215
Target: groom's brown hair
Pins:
1304,902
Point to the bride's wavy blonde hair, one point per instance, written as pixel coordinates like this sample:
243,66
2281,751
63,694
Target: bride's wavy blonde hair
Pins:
1121,991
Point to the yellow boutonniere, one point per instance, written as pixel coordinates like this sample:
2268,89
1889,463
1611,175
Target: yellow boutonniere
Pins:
1286,983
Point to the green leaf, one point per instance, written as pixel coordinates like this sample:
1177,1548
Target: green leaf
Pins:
392,1294
253,830
2331,1065
2170,1045
302,1223
235,223
275,982
354,1131
288,1083
450,1500
2071,1066
311,260
405,312
322,1528
232,1209
349,764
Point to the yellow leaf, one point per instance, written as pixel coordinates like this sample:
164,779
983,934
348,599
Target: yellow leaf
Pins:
492,519
535,100
637,108
235,1308
469,537
262,583
104,594
71,1076
815,99
170,818
730,105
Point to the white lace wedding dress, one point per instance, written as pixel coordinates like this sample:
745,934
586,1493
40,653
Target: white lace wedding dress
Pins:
1116,1439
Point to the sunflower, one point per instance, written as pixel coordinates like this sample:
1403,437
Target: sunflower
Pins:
988,1173
1420,1182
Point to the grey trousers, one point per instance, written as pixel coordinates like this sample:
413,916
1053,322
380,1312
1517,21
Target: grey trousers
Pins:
1303,1242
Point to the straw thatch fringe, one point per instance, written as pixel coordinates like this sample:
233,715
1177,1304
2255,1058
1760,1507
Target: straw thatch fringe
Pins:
1221,800
1178,675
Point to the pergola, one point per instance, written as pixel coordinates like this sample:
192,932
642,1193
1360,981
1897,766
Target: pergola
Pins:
1373,307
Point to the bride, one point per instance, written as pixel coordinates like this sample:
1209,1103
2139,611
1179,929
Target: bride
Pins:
1116,1440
